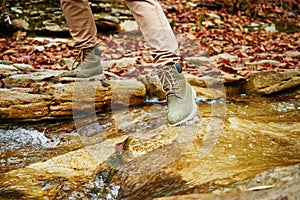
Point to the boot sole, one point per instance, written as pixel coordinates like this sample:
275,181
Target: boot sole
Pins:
99,77
192,114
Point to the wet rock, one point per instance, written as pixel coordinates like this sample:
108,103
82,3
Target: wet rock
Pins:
95,96
21,105
218,85
284,188
255,26
55,172
269,54
50,26
92,95
162,160
153,87
39,100
272,81
13,139
47,16
128,92
20,23
53,41
32,79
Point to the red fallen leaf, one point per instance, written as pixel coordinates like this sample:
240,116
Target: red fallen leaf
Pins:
244,73
237,46
260,68
225,61
45,85
34,91
227,69
242,54
117,71
183,16
291,65
12,58
122,146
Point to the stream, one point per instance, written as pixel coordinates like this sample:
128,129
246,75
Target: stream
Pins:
257,134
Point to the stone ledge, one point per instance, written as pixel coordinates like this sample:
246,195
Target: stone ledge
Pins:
272,81
41,95
57,100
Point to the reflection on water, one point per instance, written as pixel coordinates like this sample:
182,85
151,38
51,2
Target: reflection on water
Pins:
18,147
18,138
258,134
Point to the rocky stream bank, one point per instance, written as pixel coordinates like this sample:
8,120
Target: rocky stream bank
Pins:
41,94
65,139
110,140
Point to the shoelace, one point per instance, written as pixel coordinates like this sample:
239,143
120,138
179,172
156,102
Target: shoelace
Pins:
167,79
82,54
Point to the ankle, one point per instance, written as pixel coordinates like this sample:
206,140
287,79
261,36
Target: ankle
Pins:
89,50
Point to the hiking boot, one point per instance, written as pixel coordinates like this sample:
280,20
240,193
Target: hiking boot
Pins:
89,65
180,94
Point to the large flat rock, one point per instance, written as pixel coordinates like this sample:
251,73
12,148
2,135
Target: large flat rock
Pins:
32,79
19,105
59,100
269,82
42,95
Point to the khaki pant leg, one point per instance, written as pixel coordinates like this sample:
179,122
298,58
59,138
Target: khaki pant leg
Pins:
155,28
81,22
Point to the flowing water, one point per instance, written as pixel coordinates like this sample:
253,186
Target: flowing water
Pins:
256,135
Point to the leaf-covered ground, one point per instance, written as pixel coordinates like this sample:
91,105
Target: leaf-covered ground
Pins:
209,29
242,33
